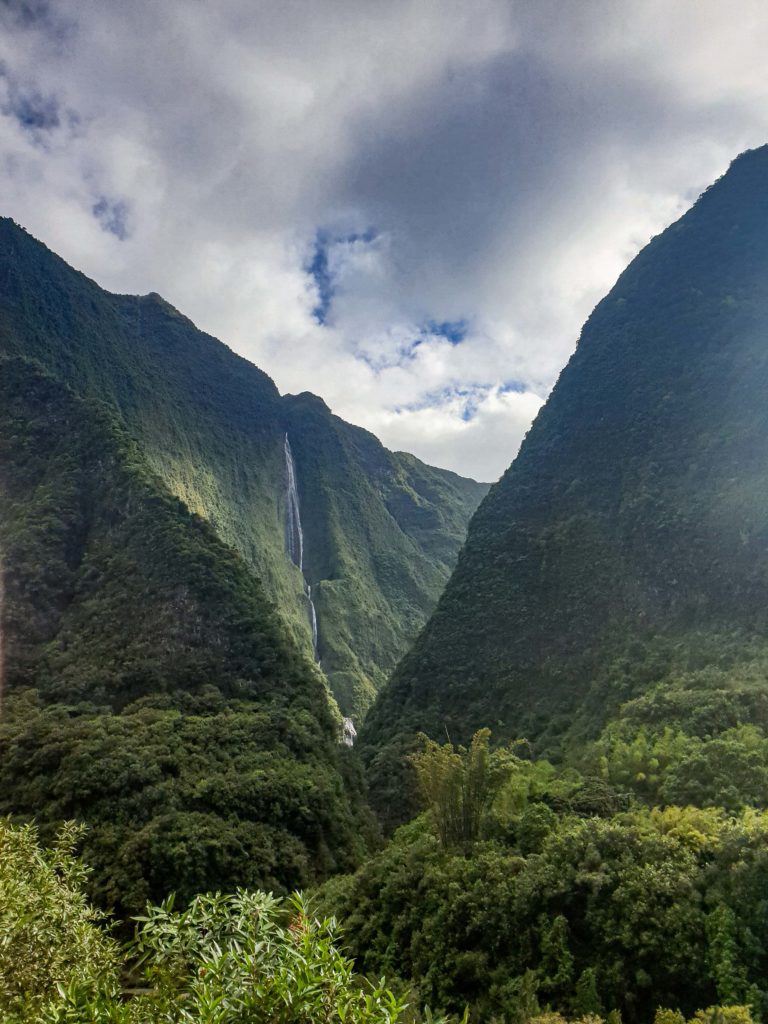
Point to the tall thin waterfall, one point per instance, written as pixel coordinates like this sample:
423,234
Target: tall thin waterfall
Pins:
294,535
294,542
313,618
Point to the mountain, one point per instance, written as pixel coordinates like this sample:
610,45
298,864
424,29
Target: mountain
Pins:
626,548
381,529
150,688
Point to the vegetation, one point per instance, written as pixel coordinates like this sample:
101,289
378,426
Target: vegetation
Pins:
382,529
628,541
611,603
151,691
459,786
49,936
248,956
223,960
572,899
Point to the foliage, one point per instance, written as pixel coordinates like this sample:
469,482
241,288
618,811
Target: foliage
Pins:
574,899
698,739
723,1014
223,960
249,956
49,935
459,786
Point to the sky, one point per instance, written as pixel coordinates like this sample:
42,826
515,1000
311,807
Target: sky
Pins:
408,207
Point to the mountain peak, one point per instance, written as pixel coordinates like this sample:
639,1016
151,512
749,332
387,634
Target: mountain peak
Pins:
308,398
631,532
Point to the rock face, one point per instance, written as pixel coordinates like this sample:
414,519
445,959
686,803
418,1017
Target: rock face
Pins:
629,539
382,530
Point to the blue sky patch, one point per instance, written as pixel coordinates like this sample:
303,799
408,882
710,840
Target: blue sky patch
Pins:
516,386
454,331
36,112
471,398
320,266
112,214
37,16
319,269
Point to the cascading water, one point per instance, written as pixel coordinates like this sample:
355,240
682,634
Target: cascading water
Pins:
313,618
294,535
294,542
349,733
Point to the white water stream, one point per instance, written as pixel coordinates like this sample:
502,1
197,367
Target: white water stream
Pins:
349,733
294,542
294,535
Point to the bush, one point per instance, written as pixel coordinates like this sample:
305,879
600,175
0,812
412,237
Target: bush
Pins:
225,959
49,935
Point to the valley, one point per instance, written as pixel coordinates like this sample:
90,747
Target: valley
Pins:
512,742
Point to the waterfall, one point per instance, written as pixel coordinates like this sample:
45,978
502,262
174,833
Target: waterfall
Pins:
313,617
294,535
349,732
294,542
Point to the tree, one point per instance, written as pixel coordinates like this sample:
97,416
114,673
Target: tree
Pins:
458,786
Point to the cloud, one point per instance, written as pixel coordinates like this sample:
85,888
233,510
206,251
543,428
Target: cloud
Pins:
404,207
472,426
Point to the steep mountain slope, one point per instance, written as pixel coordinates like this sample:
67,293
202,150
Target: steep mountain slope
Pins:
150,689
383,530
628,541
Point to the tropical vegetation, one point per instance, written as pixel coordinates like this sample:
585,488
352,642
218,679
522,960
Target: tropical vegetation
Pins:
570,765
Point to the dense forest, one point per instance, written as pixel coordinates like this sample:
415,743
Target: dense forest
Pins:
575,888
558,811
151,690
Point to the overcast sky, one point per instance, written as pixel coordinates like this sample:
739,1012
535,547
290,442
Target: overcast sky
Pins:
408,208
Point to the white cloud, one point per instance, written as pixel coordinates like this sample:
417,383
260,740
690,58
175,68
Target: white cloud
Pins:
510,157
500,421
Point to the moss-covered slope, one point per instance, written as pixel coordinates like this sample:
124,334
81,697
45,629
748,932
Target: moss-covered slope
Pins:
383,530
629,539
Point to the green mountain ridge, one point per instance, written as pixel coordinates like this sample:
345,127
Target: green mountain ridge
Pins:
382,529
628,542
150,688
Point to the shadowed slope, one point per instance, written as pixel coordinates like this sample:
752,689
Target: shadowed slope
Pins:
630,535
